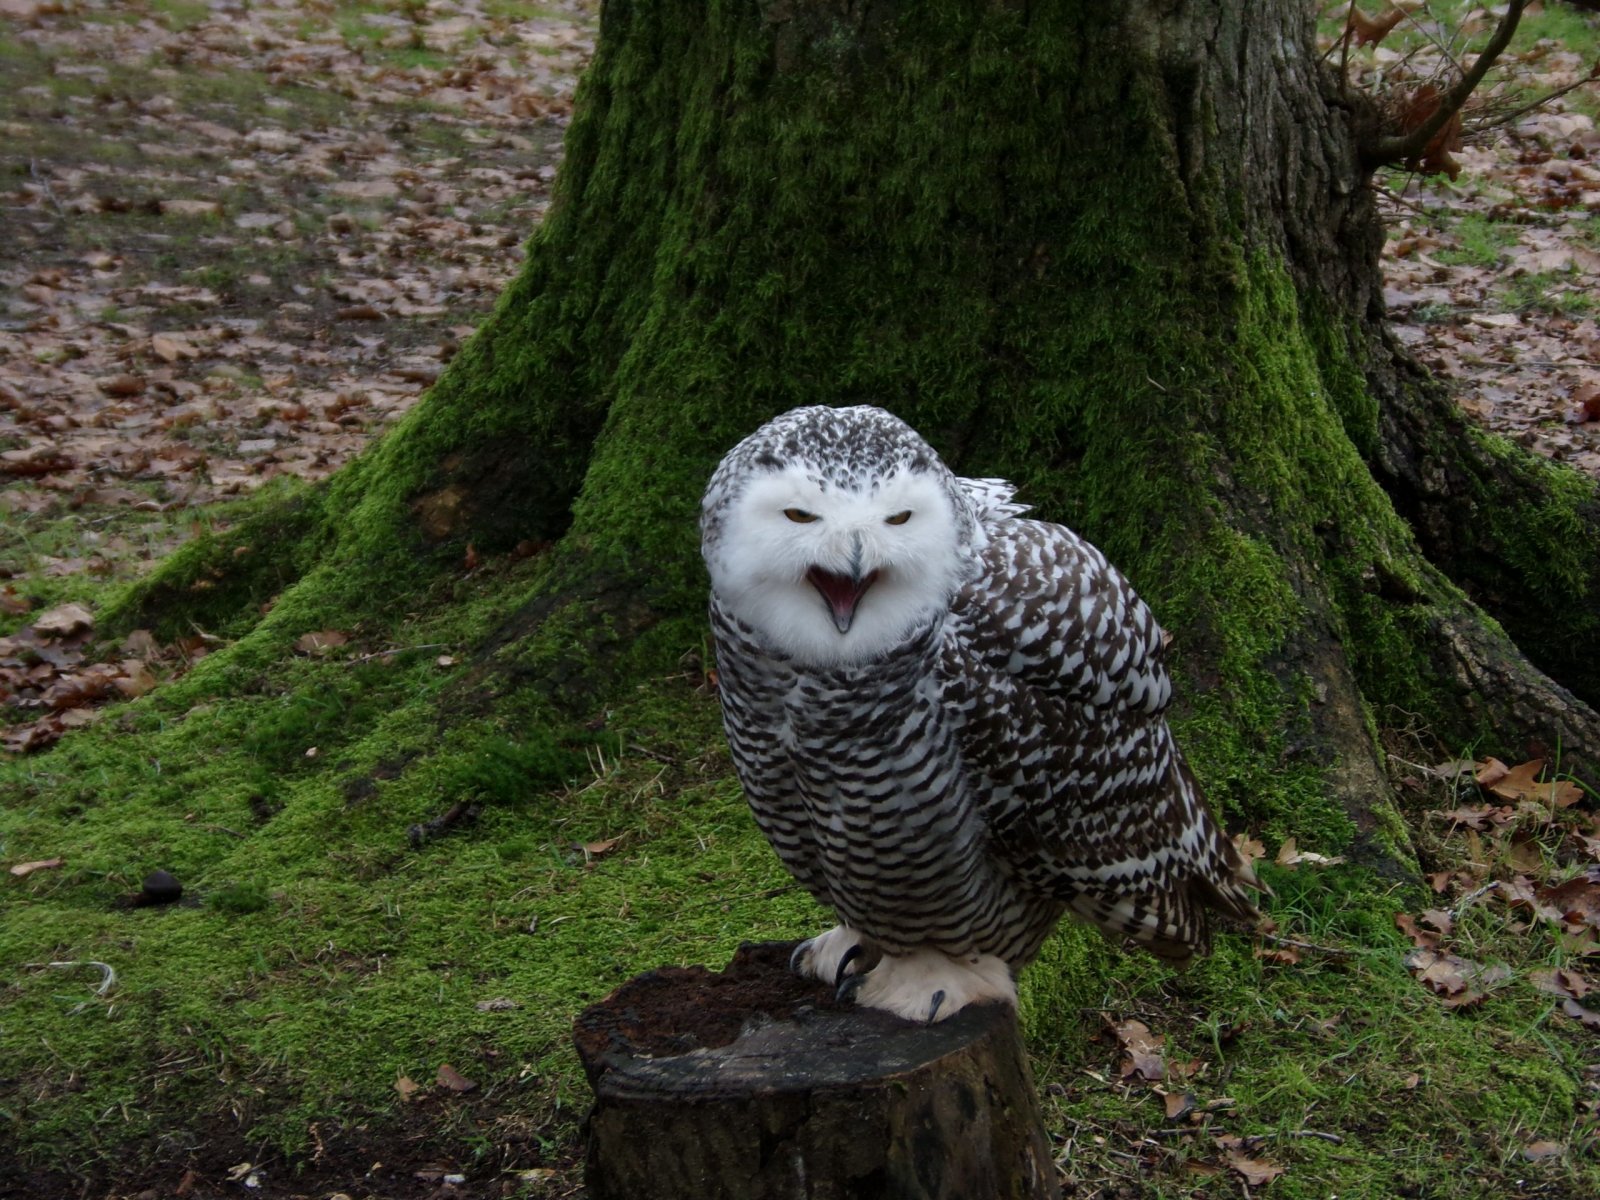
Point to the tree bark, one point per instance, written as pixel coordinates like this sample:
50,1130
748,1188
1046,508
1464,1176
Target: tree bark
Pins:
1123,254
748,1084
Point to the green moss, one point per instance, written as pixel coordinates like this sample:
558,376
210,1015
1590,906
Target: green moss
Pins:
718,252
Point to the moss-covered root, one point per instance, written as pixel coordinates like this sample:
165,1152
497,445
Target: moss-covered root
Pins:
1520,534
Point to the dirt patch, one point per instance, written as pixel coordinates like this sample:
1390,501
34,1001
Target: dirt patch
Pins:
673,1010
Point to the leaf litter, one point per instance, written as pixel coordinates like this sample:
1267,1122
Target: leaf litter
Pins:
238,246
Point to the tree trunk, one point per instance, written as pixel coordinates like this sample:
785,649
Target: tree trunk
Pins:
749,1083
1123,254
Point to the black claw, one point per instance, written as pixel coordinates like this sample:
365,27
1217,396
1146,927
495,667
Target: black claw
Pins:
797,954
848,987
845,960
933,1009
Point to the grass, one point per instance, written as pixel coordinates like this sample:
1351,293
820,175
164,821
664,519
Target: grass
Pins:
322,950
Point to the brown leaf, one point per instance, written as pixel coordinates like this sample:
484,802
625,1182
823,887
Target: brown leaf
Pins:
1143,1051
22,870
1283,955
1522,783
1248,847
1407,924
454,1080
1179,1104
1475,817
12,604
1440,919
321,641
1369,31
1256,1171
1540,1151
122,385
190,208
596,849
1490,772
1589,1018
407,1087
65,620
1561,981
171,347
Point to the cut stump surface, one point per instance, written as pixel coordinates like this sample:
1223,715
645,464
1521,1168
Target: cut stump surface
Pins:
754,1083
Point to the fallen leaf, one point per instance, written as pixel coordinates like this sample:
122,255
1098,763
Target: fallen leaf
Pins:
22,870
65,621
596,849
1540,1151
1143,1051
1589,1018
1255,1171
190,208
320,642
454,1080
1179,1104
1558,981
406,1087
1248,847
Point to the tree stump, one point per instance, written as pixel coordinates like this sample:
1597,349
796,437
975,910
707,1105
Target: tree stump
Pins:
753,1083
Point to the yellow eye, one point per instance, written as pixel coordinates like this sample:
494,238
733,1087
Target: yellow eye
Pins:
799,515
899,518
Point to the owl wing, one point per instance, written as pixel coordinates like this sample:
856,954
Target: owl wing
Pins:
1062,693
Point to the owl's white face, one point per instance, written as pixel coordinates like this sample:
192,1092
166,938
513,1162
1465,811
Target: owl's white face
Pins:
832,576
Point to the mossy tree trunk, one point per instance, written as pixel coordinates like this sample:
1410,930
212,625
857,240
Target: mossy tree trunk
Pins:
1122,253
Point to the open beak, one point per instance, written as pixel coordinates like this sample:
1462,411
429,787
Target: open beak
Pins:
842,593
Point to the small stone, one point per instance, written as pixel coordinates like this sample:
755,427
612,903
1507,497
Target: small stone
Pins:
160,887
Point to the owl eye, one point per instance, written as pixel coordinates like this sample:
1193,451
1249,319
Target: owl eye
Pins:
899,518
799,515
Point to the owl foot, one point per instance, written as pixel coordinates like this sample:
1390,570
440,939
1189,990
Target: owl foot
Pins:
834,957
929,985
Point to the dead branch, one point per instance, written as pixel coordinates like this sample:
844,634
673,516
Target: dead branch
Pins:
1407,146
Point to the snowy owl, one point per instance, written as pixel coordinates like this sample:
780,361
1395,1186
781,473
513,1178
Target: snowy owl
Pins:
948,719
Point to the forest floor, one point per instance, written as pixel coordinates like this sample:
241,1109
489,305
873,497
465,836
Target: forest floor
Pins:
243,238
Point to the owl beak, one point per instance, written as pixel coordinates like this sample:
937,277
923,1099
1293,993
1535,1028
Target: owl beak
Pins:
842,593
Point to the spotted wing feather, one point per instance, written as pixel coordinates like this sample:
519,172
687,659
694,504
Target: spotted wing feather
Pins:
1056,667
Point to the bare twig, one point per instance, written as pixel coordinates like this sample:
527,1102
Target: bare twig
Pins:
44,182
1313,1133
393,650
1406,146
1335,951
1506,118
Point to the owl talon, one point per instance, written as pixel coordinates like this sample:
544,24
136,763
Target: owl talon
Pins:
848,957
797,957
845,993
933,1008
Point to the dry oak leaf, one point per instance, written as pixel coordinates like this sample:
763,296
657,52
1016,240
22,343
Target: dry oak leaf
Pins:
65,620
1369,31
1255,1171
452,1079
1522,783
1589,1018
1248,847
321,641
1561,981
1289,855
1143,1050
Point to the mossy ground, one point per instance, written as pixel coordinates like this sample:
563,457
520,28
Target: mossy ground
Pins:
319,955
322,953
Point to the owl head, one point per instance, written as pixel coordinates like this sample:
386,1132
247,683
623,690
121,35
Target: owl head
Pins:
836,534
